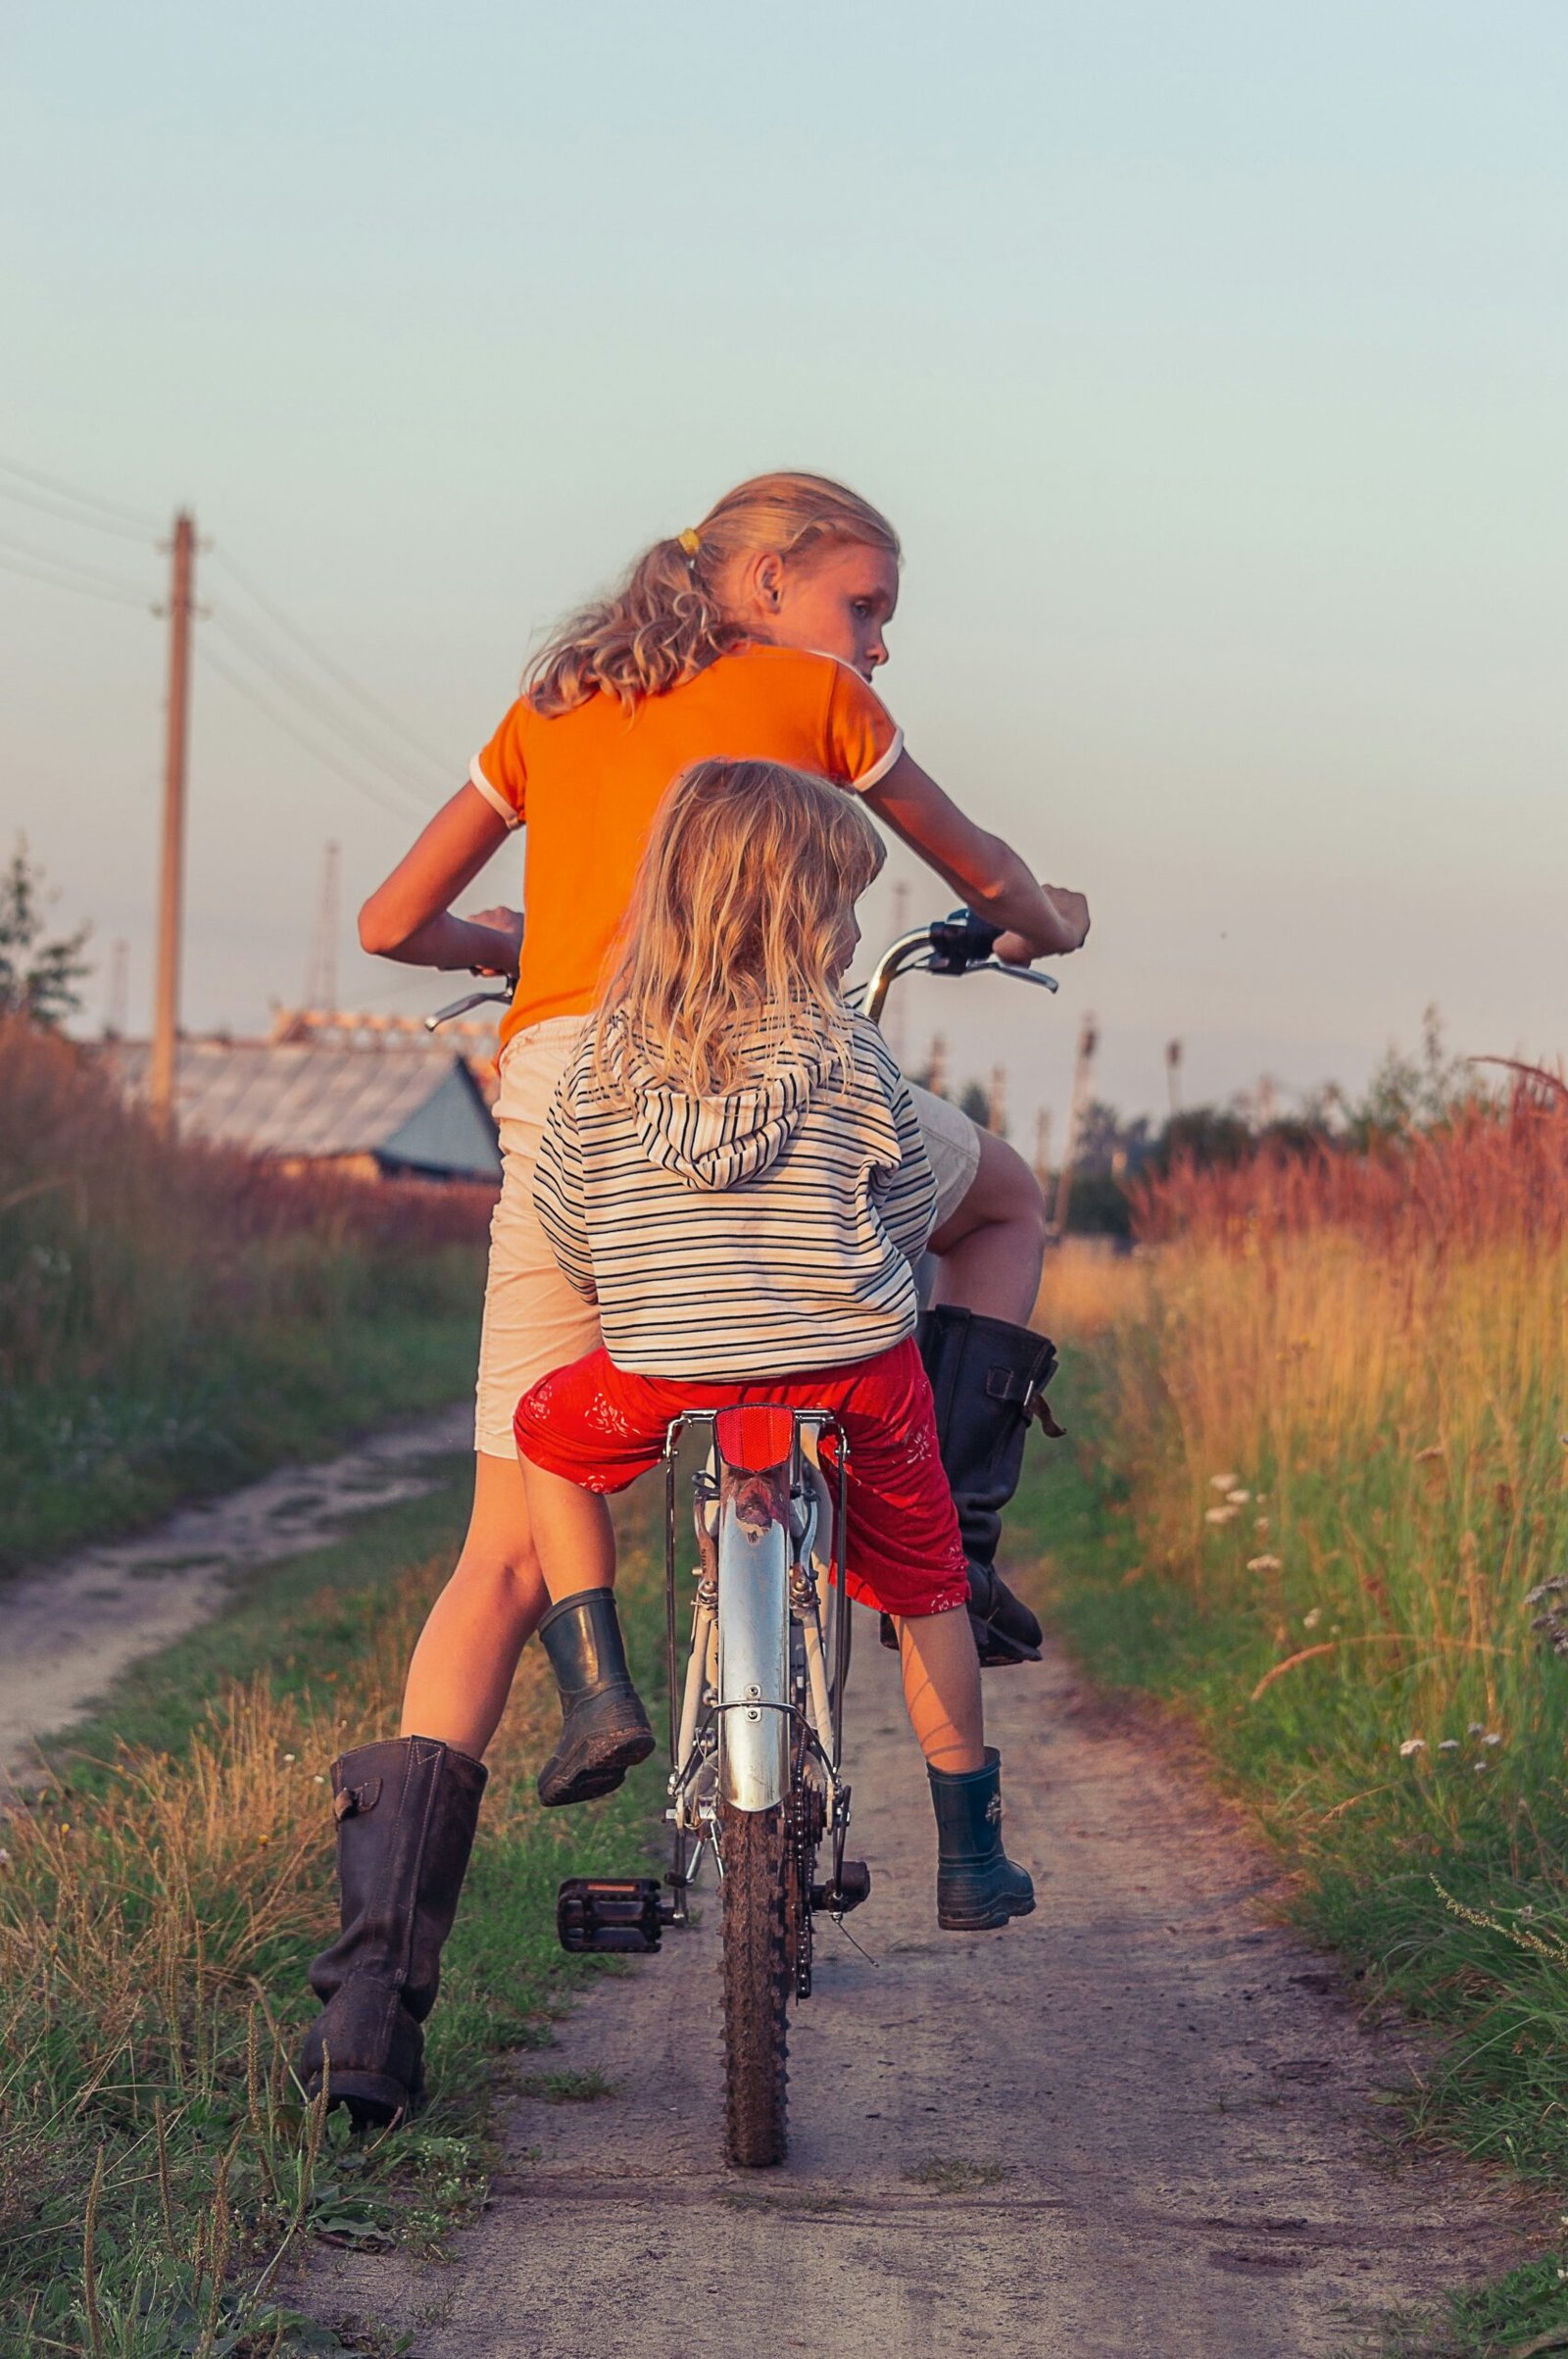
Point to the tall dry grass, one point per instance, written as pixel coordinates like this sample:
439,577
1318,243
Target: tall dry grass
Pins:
114,1242
159,2168
173,1317
1345,1403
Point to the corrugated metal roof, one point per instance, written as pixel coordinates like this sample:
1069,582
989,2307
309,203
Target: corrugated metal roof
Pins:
410,1102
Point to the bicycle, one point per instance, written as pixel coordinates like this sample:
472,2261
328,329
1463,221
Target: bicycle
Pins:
757,1717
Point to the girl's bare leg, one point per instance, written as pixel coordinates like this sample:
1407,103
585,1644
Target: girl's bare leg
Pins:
463,1667
992,1247
572,1531
941,1689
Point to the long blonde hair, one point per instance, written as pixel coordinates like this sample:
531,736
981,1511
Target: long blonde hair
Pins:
665,620
725,969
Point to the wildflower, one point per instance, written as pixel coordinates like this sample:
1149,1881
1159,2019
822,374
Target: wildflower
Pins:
1481,1768
1412,1745
1448,1744
1261,1525
1492,1737
5,1857
291,1756
1310,1620
1219,1515
1477,1728
319,1778
1238,1499
1222,1481
1262,1564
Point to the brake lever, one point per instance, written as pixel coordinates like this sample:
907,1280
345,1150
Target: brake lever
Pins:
474,998
1020,974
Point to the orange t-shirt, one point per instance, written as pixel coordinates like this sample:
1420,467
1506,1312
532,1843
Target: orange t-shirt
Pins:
586,785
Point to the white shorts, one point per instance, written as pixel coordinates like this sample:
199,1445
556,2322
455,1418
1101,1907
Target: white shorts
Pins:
534,1320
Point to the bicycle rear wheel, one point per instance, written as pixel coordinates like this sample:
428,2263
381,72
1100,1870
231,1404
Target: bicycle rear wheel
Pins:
758,1973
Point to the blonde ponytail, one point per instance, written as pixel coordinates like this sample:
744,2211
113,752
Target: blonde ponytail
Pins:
666,621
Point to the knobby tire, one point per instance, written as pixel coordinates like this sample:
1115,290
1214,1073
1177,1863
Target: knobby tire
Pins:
758,1975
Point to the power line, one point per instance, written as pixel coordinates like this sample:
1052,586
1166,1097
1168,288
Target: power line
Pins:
94,575
84,589
82,499
334,671
306,692
282,720
66,516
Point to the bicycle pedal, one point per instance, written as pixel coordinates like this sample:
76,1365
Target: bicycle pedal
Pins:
853,1886
611,1915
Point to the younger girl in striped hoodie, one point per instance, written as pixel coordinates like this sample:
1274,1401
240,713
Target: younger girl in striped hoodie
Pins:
732,1171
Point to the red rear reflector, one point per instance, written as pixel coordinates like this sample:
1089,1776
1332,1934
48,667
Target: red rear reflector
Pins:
755,1436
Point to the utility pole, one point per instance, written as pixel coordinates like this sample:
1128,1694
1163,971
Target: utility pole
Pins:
172,865
1174,1075
893,1024
118,1004
1083,1071
320,981
1043,1145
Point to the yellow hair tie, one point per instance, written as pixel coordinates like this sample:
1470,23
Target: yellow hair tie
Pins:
690,541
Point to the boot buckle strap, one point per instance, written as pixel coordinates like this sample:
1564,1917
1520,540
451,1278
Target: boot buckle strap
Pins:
1028,1392
355,1800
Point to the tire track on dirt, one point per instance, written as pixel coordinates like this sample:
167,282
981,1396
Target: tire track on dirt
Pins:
1140,2125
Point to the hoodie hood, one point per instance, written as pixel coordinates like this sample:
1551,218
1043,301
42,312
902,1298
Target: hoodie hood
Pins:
713,1143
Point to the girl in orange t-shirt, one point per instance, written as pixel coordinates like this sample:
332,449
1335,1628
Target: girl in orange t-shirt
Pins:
755,633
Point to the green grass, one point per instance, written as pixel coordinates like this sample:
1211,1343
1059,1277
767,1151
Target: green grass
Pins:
154,2157
82,1461
1384,1853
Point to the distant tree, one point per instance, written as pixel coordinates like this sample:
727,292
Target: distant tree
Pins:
39,977
1108,1142
1416,1092
975,1103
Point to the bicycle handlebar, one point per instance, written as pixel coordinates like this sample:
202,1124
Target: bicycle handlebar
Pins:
959,944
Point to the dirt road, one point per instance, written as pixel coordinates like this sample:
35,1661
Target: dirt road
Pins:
1140,2125
69,1629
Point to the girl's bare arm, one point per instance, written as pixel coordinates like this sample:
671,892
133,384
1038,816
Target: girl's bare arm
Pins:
1037,921
407,917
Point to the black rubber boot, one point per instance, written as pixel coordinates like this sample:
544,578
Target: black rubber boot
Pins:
604,1729
987,1379
406,1814
978,1887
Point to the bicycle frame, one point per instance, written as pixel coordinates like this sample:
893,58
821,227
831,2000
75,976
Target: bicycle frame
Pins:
745,1709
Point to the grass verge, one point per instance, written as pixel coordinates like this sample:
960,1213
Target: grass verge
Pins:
159,2175
1444,1887
82,1460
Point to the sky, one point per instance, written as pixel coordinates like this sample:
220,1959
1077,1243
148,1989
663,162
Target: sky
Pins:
1212,363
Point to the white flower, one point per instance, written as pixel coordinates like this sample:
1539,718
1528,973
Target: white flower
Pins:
1311,1621
1412,1745
1491,1737
1219,1515
1481,1768
291,1756
1448,1744
319,1778
1261,1523
1222,1481
1264,1564
1476,1728
1238,1499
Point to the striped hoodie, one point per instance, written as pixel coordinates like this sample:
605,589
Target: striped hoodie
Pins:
759,1234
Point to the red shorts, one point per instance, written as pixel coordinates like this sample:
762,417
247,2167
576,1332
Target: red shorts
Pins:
601,1427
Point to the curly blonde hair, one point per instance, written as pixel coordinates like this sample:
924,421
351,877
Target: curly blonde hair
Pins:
725,967
665,620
